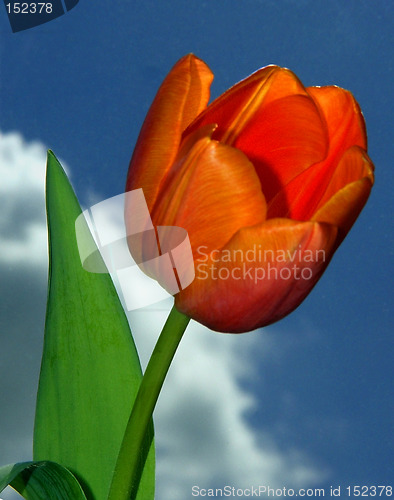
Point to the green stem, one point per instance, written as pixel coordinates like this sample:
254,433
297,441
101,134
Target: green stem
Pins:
131,458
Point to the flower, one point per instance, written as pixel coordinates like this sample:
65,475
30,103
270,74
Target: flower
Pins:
267,180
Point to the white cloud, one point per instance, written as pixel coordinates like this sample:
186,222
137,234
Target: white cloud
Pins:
203,434
22,222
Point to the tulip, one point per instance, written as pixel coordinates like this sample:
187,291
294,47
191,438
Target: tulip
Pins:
267,180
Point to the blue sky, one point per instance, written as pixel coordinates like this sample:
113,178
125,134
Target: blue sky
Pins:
314,392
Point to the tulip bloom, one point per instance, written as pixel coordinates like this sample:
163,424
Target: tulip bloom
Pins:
267,180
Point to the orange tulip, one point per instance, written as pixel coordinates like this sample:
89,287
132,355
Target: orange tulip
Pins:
267,180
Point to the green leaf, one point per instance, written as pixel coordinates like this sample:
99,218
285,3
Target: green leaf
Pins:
90,370
41,480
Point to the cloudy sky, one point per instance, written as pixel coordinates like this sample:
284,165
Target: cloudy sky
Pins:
304,403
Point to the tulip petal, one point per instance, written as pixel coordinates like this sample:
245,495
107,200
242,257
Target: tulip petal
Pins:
225,110
282,140
310,190
301,197
181,97
353,166
347,192
236,106
302,194
212,191
345,122
346,128
271,118
262,274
